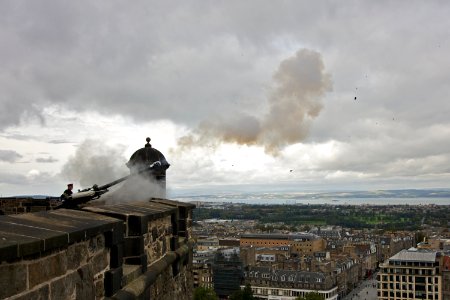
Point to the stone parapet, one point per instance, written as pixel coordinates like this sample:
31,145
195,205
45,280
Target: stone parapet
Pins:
53,254
98,252
148,229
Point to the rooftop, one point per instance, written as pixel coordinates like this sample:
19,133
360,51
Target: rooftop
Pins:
275,236
414,255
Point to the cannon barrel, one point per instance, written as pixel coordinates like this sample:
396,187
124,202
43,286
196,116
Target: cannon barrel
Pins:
96,191
153,167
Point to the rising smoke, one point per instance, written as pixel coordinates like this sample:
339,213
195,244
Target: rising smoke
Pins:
136,188
94,163
295,100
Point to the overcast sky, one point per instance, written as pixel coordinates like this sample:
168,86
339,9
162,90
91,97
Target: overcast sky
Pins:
313,95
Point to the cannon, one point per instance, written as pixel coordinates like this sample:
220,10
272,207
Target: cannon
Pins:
95,192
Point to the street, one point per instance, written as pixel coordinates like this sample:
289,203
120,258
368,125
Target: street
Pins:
366,290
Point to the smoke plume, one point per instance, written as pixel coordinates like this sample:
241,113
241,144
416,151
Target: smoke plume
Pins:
295,100
95,163
136,188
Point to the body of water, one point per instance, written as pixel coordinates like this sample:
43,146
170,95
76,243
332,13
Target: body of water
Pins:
263,200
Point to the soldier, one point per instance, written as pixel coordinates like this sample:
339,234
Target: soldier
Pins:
67,193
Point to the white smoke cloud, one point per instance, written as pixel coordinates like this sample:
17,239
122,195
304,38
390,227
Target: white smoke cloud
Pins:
135,188
95,163
300,84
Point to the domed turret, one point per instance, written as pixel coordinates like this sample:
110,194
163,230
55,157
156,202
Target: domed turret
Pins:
147,156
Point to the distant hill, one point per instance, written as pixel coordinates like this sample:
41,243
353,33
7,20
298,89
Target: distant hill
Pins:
409,193
300,194
32,196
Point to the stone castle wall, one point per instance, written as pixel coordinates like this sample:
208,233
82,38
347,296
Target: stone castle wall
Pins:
139,250
75,272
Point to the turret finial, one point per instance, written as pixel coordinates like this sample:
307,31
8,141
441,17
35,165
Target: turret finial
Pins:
148,142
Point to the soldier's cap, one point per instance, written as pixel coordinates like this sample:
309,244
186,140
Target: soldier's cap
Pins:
70,184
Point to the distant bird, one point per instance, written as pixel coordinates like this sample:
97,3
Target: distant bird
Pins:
291,170
355,98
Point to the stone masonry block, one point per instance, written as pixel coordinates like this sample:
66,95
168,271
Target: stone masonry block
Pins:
85,288
13,279
113,280
47,268
137,225
96,244
134,246
173,243
76,285
116,256
100,262
138,260
42,293
77,255
99,289
114,236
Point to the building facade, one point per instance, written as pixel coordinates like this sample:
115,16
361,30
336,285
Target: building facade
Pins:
227,272
410,274
273,284
300,243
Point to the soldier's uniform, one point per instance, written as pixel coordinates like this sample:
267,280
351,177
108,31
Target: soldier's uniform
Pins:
67,193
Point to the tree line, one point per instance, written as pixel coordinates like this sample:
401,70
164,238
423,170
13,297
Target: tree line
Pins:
374,217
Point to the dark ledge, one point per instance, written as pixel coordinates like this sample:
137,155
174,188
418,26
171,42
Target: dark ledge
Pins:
175,203
34,233
135,214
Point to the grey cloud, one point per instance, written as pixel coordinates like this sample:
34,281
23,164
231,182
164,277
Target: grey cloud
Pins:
18,136
60,141
185,61
37,178
46,159
9,156
118,58
397,153
12,178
